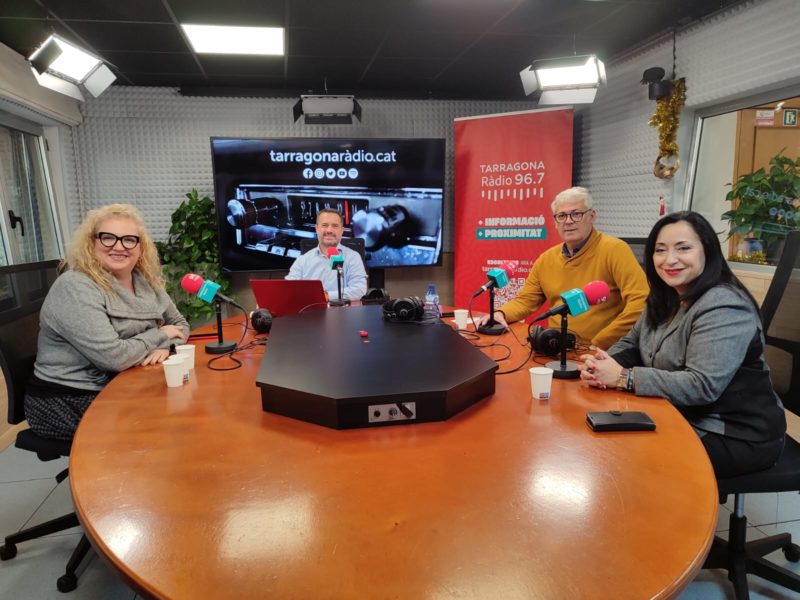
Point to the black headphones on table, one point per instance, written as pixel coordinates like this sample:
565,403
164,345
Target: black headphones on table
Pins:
547,341
409,308
261,320
375,296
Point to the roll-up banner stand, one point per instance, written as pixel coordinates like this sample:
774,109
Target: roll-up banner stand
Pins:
508,169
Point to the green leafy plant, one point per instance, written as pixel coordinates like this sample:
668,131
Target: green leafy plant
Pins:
192,247
766,202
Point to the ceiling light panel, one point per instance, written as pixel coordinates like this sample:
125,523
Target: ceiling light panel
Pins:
218,39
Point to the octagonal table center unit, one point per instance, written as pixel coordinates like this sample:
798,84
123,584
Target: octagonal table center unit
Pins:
320,367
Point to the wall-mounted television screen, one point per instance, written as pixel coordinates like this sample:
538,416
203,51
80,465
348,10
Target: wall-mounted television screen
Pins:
268,193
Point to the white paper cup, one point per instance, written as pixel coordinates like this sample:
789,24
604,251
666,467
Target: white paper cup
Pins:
461,317
186,350
174,370
183,360
541,380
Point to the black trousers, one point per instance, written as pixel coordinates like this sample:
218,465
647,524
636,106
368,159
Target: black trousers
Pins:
731,457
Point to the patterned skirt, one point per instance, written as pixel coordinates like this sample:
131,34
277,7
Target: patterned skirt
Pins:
56,414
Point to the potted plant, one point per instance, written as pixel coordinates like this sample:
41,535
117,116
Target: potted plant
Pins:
766,207
192,247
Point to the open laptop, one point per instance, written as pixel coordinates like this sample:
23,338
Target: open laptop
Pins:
288,296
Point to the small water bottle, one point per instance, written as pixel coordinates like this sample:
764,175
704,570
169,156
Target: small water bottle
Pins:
432,302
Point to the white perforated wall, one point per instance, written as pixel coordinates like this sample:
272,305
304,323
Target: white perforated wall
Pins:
736,53
150,146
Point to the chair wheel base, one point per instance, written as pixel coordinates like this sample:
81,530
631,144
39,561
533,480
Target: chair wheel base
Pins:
67,583
8,551
792,553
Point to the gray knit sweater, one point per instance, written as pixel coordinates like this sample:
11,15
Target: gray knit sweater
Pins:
87,335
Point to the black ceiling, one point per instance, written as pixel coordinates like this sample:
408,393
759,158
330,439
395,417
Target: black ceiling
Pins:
397,48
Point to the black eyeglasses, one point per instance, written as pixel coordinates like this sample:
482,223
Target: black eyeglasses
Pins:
575,215
109,240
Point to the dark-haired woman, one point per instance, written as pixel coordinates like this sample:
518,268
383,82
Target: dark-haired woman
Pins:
699,344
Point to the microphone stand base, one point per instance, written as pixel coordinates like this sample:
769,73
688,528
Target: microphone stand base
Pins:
493,329
339,302
567,371
220,347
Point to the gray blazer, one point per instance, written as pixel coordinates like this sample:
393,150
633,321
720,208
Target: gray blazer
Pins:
709,362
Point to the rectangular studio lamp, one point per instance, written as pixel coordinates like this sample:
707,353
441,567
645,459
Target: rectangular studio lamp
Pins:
569,80
45,55
63,59
328,109
62,66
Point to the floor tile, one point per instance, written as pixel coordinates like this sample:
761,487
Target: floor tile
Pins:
760,509
709,584
57,504
777,557
19,500
788,507
32,574
21,465
723,518
713,584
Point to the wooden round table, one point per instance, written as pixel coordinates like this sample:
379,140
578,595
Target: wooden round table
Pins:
195,492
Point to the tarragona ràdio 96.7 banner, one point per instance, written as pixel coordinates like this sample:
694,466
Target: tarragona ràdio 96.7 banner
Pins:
508,169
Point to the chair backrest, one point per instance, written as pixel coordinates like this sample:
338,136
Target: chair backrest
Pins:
22,292
353,243
781,325
785,272
637,246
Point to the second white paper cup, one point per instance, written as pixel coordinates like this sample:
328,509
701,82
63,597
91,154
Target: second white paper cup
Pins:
541,380
461,316
186,350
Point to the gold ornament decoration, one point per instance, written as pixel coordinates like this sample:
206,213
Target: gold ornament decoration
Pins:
667,118
666,166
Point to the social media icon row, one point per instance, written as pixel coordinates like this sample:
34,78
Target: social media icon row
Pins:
330,173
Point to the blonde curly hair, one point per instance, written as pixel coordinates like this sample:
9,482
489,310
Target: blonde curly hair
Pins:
81,255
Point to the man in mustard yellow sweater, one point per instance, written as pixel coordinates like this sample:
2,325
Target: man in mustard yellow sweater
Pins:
585,255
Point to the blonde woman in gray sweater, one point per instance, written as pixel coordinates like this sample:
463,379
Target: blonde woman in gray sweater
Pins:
108,311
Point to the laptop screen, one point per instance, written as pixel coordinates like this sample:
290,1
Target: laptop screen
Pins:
288,296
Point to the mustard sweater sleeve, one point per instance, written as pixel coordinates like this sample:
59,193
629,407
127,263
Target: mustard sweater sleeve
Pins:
632,283
530,298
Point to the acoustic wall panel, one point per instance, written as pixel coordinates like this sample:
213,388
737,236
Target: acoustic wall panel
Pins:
150,146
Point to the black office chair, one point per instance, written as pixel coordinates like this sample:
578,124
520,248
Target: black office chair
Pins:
781,326
353,243
736,555
637,246
22,291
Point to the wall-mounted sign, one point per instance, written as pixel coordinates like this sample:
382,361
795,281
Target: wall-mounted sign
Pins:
765,118
790,117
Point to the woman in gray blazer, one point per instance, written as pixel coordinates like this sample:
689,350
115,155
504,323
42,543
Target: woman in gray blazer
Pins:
699,344
107,312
